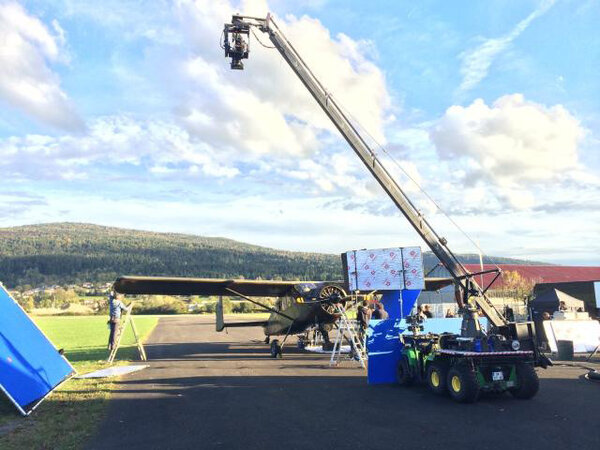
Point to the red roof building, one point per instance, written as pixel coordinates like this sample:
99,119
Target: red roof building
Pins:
538,274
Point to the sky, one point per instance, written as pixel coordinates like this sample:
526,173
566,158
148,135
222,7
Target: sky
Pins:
125,113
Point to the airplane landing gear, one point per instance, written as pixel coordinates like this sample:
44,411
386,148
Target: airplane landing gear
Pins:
267,340
275,349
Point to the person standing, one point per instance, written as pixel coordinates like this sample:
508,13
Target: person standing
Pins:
115,308
380,313
427,312
363,316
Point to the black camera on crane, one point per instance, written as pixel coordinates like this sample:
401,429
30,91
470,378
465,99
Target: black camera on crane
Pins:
236,42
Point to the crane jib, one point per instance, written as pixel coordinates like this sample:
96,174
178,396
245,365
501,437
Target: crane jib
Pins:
463,278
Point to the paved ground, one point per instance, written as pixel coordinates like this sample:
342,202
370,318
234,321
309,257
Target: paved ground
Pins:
215,390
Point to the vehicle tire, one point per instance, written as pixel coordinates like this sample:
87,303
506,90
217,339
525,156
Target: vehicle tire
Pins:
462,384
437,372
528,382
403,375
275,349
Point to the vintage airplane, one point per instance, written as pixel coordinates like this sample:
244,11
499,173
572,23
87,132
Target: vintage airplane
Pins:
300,305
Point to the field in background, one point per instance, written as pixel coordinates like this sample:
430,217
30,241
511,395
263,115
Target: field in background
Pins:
70,415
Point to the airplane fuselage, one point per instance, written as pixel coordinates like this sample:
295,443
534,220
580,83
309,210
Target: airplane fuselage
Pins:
298,317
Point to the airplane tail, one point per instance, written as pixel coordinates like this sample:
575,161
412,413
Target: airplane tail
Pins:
220,322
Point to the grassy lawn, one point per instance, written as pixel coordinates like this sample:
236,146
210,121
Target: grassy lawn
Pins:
69,416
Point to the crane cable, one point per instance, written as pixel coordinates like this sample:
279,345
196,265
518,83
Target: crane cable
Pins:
259,41
382,148
359,125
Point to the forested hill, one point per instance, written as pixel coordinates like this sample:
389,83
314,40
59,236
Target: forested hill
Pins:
60,253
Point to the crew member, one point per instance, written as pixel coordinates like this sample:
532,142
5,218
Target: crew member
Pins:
363,316
115,307
562,306
427,312
380,312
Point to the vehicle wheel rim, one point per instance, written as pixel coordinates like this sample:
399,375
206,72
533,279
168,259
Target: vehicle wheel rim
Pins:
435,379
455,383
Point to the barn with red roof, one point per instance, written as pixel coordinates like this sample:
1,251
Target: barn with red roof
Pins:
580,282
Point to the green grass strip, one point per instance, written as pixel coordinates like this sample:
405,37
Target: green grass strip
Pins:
70,415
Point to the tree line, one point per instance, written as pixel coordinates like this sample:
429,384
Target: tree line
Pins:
72,253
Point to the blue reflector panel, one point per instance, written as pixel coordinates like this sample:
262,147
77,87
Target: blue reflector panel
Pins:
30,365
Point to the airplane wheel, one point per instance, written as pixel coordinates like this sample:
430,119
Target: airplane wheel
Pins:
275,349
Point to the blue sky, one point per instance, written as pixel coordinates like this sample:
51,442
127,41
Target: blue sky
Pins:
124,113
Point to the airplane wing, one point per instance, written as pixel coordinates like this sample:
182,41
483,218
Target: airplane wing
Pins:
215,286
201,286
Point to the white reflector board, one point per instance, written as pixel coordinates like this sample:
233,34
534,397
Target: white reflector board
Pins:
112,372
412,261
585,334
385,269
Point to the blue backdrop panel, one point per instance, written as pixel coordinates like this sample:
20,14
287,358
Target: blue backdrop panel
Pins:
383,342
30,366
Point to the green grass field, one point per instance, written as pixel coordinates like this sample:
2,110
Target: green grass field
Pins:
69,416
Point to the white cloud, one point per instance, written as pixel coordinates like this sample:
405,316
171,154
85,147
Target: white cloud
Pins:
513,144
262,119
476,62
27,82
111,140
265,109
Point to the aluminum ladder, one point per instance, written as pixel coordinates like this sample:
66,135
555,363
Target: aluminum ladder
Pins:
346,329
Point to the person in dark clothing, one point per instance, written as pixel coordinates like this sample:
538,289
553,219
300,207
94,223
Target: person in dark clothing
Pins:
427,312
380,313
115,308
363,316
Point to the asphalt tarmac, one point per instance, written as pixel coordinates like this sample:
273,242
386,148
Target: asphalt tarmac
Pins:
209,390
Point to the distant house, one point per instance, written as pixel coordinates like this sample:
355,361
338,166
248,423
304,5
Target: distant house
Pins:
539,274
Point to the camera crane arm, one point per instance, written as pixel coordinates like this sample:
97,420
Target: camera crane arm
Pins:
237,49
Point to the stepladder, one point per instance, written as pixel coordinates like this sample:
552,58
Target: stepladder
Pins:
347,331
127,320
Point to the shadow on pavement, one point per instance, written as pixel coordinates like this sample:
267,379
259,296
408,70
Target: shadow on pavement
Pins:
215,351
341,412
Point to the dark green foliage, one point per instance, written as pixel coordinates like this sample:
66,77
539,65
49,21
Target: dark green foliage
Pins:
160,304
63,253
243,307
74,253
26,303
227,306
